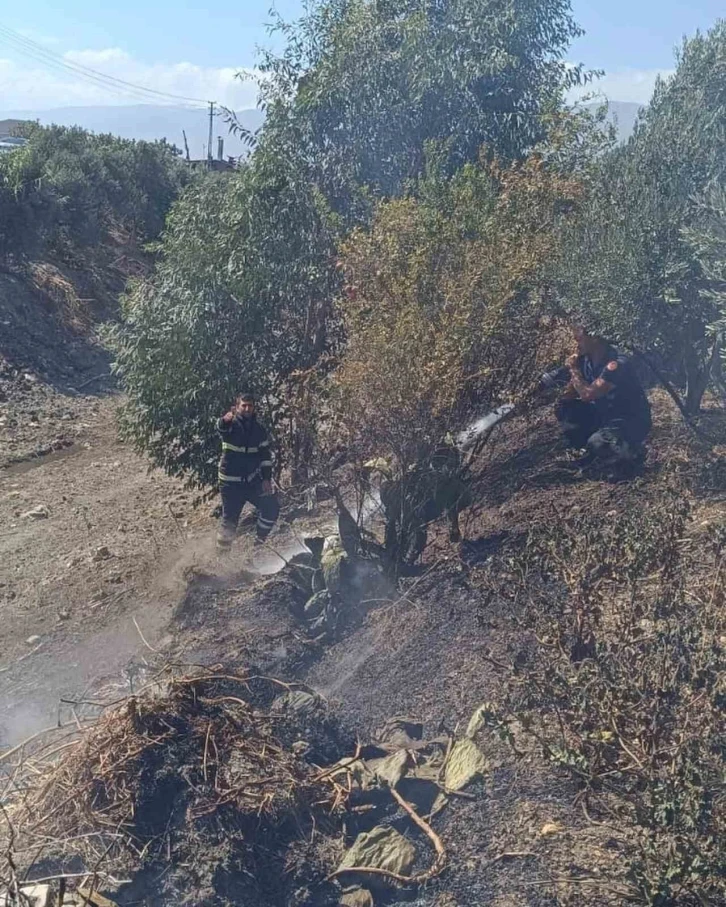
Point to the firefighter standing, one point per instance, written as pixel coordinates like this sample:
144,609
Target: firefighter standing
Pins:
245,471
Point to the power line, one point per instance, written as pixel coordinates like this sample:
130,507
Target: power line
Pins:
109,88
26,45
50,59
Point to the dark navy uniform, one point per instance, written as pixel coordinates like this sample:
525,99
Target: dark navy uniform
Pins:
245,464
616,424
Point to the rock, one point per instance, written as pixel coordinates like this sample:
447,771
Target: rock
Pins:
400,731
358,897
381,848
549,829
33,640
40,512
63,614
466,762
101,553
297,701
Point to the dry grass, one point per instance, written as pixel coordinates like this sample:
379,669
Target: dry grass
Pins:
187,751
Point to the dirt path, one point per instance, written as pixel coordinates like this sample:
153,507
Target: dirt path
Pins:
96,555
107,543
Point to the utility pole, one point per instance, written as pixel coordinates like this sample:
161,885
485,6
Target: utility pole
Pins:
211,134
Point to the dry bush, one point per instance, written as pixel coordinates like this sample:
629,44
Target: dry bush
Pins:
445,308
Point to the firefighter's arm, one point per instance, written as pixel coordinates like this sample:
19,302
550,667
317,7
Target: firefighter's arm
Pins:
587,392
266,463
224,425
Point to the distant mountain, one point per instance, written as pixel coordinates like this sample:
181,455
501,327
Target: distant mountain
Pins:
149,123
623,114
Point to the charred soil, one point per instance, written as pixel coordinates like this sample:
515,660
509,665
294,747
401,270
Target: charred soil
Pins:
441,649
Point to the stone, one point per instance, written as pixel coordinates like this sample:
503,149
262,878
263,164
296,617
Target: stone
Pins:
101,553
358,897
33,640
40,512
466,762
381,848
549,829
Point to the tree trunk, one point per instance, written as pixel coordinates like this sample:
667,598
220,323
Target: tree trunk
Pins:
698,375
717,375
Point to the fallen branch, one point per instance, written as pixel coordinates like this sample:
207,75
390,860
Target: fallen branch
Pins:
438,866
91,380
143,638
435,870
11,752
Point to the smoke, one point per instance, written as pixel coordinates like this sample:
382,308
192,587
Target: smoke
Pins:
370,507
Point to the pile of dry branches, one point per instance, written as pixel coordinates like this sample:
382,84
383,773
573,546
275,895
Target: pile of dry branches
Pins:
186,751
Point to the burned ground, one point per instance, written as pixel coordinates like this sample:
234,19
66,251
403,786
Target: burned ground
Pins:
440,647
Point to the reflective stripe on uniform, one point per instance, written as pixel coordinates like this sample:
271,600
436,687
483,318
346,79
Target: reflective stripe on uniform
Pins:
264,443
265,463
223,477
227,446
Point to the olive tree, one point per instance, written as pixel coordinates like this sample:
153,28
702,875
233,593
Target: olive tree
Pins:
629,267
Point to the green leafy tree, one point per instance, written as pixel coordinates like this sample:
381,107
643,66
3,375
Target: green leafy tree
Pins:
66,188
238,299
364,85
707,239
364,91
629,267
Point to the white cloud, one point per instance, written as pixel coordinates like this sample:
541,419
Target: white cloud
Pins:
26,85
633,85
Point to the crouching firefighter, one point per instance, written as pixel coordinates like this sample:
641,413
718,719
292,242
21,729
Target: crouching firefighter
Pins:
603,409
245,471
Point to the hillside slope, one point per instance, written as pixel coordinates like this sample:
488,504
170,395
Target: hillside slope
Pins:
51,357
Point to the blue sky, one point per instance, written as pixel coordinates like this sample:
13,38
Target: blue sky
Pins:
194,49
